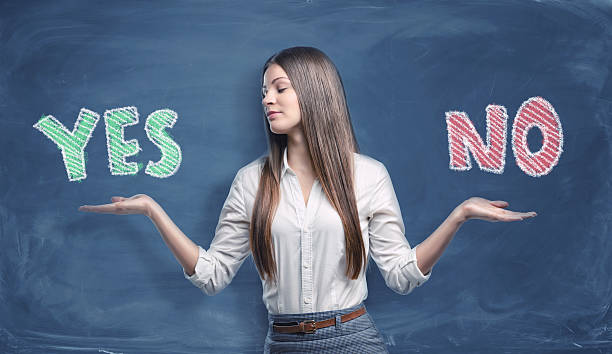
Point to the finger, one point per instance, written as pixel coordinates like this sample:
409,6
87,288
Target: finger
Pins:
105,208
529,214
523,216
117,199
504,215
500,203
511,218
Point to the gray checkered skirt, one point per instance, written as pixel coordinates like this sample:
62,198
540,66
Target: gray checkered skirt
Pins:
358,335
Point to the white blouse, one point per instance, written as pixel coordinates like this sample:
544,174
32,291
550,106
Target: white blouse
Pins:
309,241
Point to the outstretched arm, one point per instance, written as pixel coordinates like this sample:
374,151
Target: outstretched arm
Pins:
210,270
184,250
404,268
429,251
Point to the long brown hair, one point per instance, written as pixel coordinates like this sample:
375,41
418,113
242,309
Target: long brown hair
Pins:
331,142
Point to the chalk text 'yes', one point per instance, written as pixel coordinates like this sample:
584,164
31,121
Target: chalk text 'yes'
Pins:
72,143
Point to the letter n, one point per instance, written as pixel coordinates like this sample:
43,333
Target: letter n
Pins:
463,137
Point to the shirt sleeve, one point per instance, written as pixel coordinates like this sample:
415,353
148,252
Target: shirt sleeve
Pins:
216,267
388,245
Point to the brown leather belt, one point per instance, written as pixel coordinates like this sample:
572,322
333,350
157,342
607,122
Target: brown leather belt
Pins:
310,326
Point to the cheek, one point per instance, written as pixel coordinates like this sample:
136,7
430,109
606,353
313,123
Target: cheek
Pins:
296,105
295,114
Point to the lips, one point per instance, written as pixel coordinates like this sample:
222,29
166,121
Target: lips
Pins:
272,113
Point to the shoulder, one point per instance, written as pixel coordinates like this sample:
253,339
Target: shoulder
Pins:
247,181
369,172
252,168
248,175
366,160
367,165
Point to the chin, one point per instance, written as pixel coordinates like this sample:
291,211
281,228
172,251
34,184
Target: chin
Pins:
277,130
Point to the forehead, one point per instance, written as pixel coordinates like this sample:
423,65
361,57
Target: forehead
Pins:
272,72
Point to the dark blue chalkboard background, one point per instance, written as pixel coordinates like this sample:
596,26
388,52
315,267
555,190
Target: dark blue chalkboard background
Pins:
81,282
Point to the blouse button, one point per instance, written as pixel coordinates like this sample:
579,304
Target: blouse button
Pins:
306,300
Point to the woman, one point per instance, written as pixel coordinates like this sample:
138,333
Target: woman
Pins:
311,213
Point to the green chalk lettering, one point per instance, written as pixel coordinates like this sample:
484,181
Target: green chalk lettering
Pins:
72,144
171,151
118,148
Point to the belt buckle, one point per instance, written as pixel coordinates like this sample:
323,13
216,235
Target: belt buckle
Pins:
312,326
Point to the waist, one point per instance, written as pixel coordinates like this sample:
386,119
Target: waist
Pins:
356,326
324,297
316,316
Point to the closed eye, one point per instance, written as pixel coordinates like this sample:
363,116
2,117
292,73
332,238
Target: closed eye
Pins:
264,92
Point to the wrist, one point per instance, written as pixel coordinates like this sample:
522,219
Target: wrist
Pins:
459,215
152,208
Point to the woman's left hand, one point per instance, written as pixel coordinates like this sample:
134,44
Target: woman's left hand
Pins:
490,210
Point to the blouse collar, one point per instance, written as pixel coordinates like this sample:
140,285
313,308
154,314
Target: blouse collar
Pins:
285,163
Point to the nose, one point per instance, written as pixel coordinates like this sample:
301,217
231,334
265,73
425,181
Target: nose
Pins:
268,98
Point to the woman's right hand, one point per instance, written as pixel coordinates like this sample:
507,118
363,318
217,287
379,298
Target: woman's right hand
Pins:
137,204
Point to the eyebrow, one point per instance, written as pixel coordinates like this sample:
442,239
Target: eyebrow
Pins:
280,77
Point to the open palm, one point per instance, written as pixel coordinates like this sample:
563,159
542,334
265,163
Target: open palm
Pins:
492,210
137,204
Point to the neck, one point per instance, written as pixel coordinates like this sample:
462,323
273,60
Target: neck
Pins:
298,156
